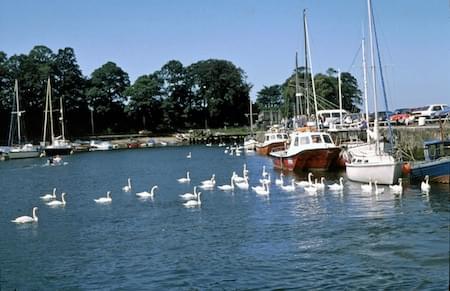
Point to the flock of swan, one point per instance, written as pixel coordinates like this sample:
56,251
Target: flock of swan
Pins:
241,182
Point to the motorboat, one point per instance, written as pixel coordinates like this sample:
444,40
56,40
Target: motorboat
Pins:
273,138
100,145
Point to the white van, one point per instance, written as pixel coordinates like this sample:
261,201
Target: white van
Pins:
331,116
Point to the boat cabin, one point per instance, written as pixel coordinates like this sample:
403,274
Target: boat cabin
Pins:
436,149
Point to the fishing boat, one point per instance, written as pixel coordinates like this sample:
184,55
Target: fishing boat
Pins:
308,150
374,164
436,164
273,138
58,144
16,148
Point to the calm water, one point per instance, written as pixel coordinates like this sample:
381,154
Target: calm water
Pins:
234,241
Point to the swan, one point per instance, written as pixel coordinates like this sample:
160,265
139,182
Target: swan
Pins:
311,189
425,187
245,171
289,188
320,186
262,190
265,180
227,187
49,196
146,194
397,189
209,183
367,187
27,219
189,155
280,181
336,186
306,183
190,196
243,185
106,199
378,190
127,188
57,202
185,180
264,173
194,203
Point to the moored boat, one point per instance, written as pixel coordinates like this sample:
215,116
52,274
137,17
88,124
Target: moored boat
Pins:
273,138
436,164
308,150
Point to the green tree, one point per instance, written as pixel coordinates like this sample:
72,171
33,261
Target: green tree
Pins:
269,97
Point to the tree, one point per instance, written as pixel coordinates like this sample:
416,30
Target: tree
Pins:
145,101
269,97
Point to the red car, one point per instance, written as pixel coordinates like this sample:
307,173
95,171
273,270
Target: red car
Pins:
402,116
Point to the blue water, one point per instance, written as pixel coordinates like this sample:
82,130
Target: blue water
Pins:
233,241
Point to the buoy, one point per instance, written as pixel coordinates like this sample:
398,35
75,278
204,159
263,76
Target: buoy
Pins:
406,168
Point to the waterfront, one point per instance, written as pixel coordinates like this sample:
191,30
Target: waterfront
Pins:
233,241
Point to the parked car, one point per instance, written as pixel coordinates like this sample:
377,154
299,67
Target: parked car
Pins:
428,110
444,113
402,116
352,118
382,116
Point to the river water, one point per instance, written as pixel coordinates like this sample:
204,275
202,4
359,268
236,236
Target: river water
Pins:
235,240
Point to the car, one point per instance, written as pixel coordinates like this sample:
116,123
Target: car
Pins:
427,111
444,113
382,116
402,116
352,118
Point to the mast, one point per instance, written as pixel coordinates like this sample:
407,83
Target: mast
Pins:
312,72
372,69
18,112
297,88
306,65
366,104
61,118
340,97
251,116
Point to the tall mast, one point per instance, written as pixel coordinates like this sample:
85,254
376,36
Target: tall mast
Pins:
61,110
312,72
340,97
374,84
297,87
306,65
251,115
366,103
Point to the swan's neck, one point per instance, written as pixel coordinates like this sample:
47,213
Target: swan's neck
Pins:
129,183
187,175
54,192
34,214
62,199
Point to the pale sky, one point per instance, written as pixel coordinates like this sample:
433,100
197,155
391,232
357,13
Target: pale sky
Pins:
261,37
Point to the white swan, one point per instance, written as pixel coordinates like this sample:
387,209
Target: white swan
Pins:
194,203
209,184
106,199
289,188
227,187
280,181
305,183
320,186
425,186
336,186
262,190
27,219
185,180
311,189
265,180
127,188
189,155
190,196
243,185
378,190
49,196
397,189
57,202
146,194
367,187
239,179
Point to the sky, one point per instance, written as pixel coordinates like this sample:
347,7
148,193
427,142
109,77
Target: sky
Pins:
259,36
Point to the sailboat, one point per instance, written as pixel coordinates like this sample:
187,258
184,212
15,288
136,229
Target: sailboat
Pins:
250,141
371,163
59,145
19,150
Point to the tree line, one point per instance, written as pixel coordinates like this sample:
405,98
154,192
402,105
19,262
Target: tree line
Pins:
209,93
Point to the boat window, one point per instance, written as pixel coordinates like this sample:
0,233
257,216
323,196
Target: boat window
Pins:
267,137
366,161
304,140
327,138
296,141
335,114
432,152
279,136
315,138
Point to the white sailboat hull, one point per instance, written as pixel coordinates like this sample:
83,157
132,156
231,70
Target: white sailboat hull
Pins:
381,169
23,154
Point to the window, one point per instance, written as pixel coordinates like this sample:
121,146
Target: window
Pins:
304,140
296,141
315,138
279,136
327,138
436,108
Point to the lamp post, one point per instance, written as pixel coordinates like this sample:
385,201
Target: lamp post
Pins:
91,109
